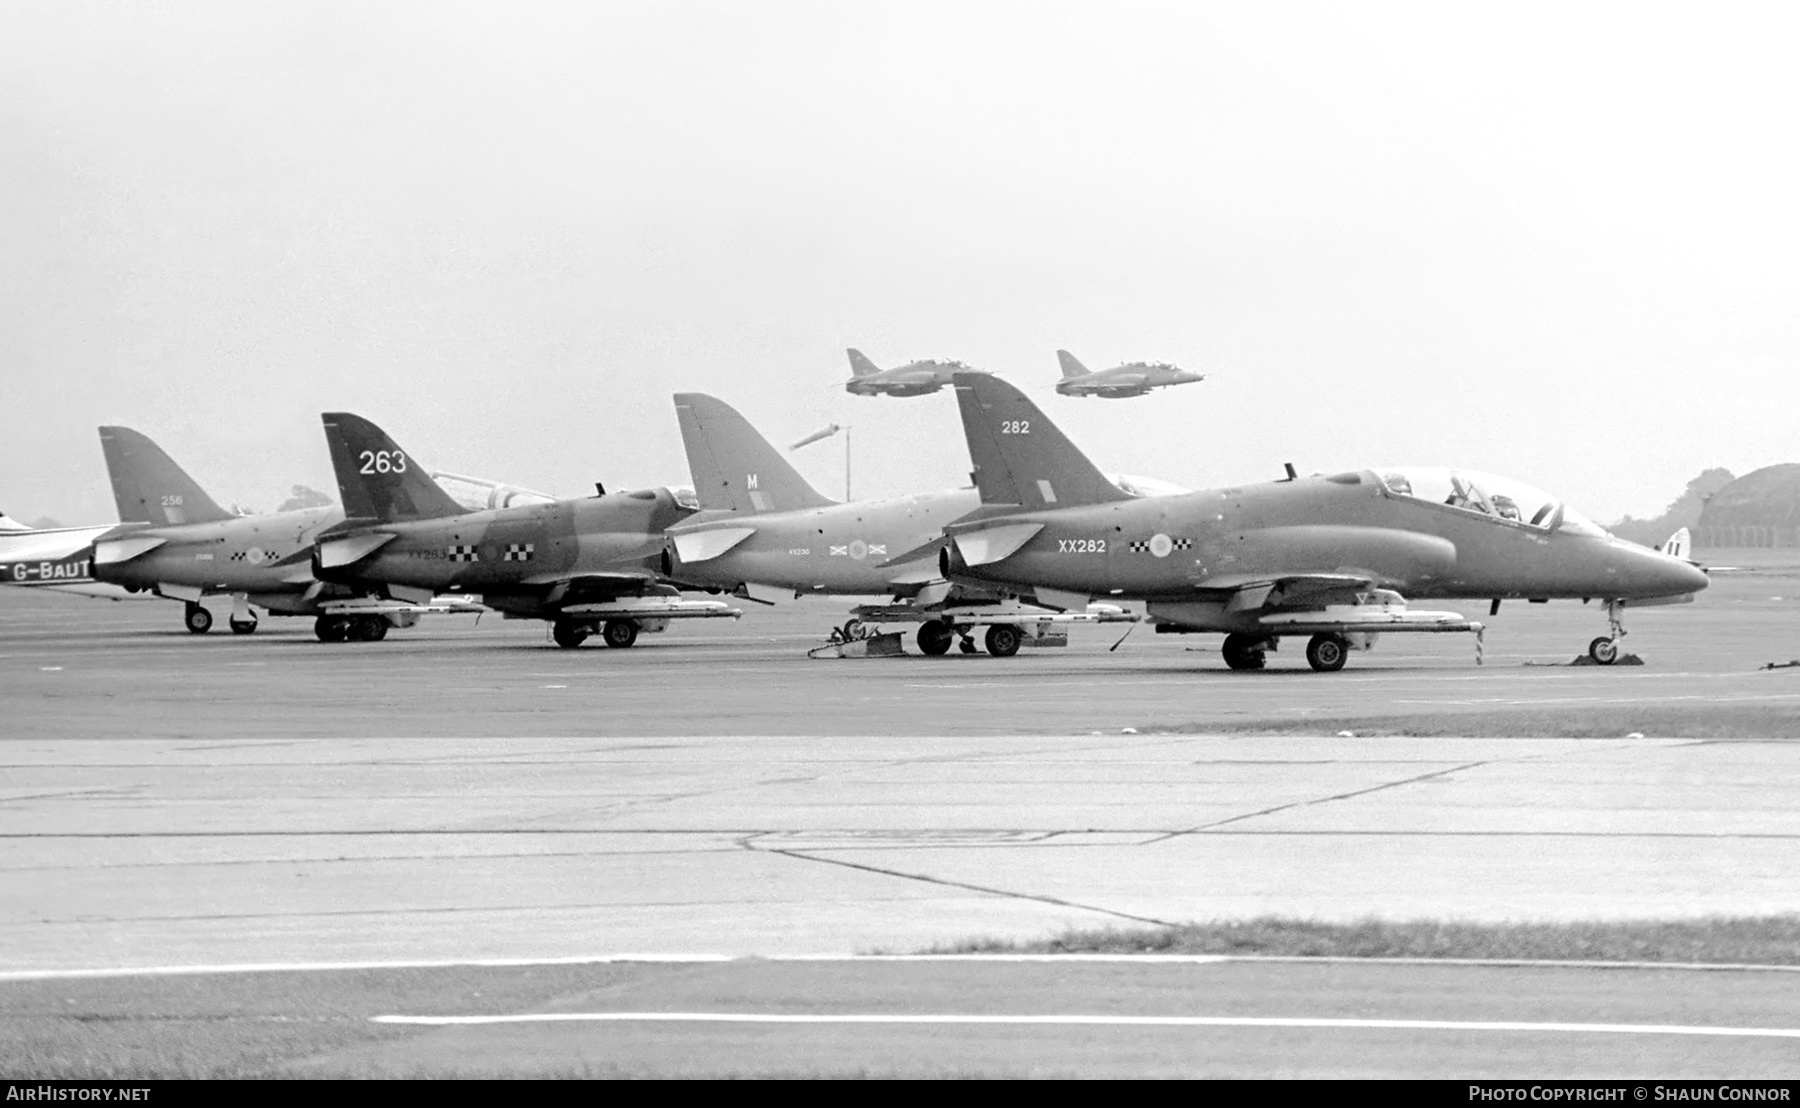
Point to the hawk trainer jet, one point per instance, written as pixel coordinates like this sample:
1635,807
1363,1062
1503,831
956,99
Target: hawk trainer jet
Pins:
584,565
911,379
1130,379
1324,557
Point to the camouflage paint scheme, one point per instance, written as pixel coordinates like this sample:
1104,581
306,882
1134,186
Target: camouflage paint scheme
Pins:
1221,559
405,537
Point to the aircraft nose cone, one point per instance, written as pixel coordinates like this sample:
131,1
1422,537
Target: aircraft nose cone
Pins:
1693,577
1658,574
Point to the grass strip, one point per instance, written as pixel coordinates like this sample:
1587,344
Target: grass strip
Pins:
1757,940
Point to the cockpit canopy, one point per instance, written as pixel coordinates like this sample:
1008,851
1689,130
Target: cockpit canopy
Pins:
1500,497
1145,486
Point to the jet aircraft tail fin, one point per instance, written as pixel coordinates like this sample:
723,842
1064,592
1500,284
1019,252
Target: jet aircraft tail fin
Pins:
734,468
149,487
861,366
1678,545
378,480
1070,366
1020,456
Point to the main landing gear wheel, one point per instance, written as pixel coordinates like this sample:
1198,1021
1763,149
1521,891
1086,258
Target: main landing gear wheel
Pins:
1244,652
619,633
331,628
368,629
198,619
1327,653
1604,651
242,626
935,637
1003,640
569,635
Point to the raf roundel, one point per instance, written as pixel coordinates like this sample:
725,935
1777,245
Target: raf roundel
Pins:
1161,545
859,549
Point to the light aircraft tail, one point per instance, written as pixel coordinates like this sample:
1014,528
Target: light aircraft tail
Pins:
149,487
1678,545
1020,456
1071,367
861,366
733,467
378,480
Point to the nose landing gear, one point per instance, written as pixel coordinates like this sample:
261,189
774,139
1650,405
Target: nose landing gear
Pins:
1604,651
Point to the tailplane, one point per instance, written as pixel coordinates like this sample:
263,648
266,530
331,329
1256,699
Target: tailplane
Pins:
733,467
861,366
149,487
1071,367
378,480
1020,456
7,523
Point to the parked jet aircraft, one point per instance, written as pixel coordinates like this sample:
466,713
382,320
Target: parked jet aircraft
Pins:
1130,379
763,529
175,541
1326,557
582,564
911,379
55,559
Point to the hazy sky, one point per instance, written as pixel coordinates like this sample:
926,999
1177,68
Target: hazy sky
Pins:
1558,242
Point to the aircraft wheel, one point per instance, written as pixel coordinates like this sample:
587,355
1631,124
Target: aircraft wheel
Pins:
853,629
1003,640
198,619
331,628
569,635
619,633
243,626
366,629
935,637
1244,652
1327,653
1604,651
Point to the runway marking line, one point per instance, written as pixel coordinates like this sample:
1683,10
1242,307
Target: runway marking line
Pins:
1099,1021
11,976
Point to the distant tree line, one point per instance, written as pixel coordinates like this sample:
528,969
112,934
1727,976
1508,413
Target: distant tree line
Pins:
1684,512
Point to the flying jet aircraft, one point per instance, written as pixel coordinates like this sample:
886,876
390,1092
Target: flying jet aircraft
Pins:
763,529
173,540
1130,379
1324,557
911,379
583,565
